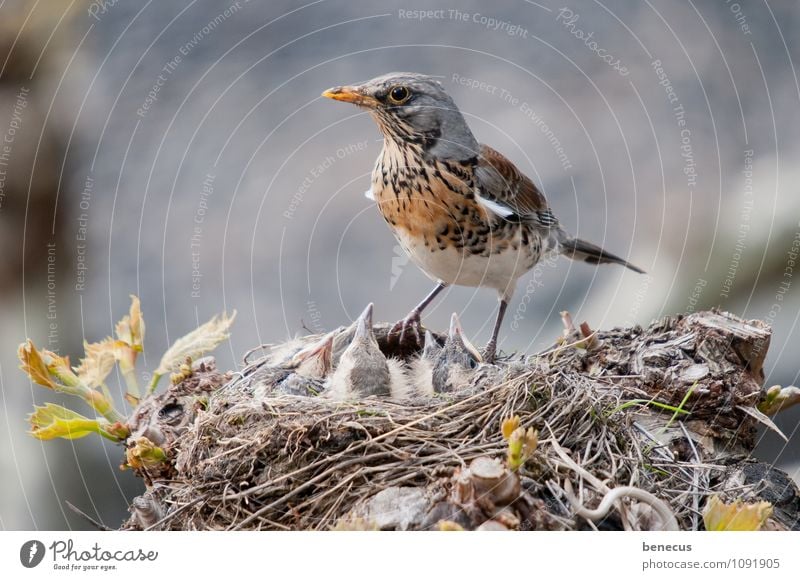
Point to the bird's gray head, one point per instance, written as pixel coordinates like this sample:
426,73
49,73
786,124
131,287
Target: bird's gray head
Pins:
432,347
363,366
456,362
412,108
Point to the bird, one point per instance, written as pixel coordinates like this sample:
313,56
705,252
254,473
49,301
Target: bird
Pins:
295,368
462,211
445,368
421,368
363,370
310,366
456,362
315,360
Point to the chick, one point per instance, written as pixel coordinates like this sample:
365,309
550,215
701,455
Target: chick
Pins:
364,371
400,387
301,371
280,355
455,364
316,360
311,366
295,350
422,367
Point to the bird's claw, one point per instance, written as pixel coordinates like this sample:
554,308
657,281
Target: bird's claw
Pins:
410,323
490,352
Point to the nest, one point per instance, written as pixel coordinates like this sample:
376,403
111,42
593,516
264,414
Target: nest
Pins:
599,402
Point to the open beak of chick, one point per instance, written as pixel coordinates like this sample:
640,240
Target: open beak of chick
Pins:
351,94
362,370
456,338
315,361
455,363
432,347
364,325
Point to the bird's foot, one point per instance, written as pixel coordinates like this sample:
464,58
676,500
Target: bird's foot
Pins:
490,352
408,326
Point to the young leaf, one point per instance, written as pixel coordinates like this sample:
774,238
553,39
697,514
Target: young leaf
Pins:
98,363
194,345
450,526
49,370
144,454
58,366
778,399
737,516
34,365
509,425
521,446
131,328
51,421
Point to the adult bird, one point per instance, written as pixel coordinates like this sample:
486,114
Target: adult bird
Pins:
462,212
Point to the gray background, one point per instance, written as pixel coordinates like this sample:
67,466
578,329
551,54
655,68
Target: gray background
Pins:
288,239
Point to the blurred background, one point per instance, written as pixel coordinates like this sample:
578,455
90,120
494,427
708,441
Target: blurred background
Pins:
180,151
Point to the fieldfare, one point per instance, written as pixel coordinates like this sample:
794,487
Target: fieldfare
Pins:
461,211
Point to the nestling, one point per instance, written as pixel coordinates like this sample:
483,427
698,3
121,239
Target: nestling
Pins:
422,367
363,370
310,367
455,364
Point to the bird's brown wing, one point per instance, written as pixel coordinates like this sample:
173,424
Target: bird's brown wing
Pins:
508,191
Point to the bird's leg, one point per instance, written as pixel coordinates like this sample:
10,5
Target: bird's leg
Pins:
413,319
491,347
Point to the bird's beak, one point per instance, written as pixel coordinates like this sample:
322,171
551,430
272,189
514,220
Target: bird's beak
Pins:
431,348
349,94
364,324
456,334
323,349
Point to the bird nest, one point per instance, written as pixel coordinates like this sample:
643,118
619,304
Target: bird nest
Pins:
625,429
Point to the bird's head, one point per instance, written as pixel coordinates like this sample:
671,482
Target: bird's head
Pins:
456,362
363,366
432,347
316,360
413,108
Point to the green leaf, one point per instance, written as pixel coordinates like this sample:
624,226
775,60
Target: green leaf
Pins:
52,421
651,402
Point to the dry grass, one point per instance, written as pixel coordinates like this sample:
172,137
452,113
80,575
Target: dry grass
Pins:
291,462
636,429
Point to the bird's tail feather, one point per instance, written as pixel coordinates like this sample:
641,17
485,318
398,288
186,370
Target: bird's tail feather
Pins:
588,252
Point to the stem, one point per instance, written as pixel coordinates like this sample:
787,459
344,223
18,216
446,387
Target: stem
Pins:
131,383
153,383
108,435
99,403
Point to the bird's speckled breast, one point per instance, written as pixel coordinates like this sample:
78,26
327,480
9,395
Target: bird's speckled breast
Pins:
431,208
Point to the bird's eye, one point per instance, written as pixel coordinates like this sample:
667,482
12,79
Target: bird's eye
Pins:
399,95
472,363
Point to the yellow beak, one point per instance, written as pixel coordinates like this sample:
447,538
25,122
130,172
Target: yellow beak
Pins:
350,95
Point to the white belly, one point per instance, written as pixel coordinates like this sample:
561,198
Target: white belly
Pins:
457,266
